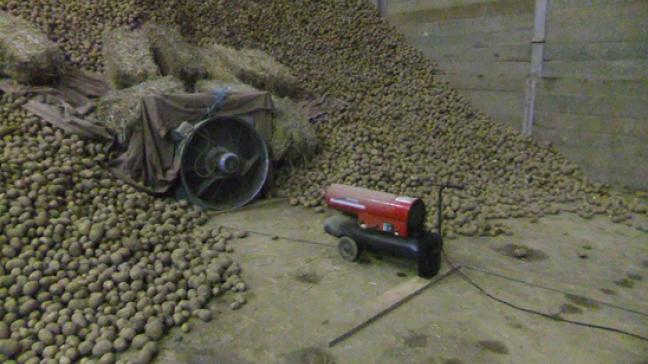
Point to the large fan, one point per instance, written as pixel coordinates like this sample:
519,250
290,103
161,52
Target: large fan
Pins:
225,163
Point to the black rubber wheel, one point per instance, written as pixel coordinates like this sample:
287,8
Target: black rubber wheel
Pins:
348,249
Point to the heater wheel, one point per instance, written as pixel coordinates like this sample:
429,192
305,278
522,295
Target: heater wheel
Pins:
348,249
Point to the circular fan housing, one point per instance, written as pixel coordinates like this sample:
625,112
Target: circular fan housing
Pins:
225,163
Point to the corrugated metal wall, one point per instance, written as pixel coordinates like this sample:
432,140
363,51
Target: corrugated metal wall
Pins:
592,99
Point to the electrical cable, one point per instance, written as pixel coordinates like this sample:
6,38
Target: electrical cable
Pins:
481,270
532,311
264,202
464,276
536,285
297,240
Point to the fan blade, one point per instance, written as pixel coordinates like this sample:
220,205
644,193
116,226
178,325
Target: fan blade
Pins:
230,139
204,185
249,164
203,135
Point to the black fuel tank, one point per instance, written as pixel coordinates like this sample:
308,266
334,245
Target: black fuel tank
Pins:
424,247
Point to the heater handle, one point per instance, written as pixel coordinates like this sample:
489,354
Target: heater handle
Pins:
453,186
440,204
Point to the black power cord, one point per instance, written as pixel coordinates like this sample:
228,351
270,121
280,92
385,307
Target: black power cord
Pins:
545,287
287,238
464,276
470,281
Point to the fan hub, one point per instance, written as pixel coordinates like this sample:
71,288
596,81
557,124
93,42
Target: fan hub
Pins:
229,163
218,160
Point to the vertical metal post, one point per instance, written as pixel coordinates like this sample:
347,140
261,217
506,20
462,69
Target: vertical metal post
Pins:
537,55
382,7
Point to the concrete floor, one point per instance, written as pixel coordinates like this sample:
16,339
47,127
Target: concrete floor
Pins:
303,295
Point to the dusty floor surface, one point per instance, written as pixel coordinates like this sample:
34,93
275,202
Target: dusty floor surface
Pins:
303,295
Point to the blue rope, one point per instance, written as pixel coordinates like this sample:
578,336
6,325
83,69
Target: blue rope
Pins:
220,95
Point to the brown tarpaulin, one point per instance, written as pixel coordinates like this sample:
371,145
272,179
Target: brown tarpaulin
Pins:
73,94
319,108
67,118
151,162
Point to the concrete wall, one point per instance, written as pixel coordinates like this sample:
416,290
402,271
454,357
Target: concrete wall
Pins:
592,99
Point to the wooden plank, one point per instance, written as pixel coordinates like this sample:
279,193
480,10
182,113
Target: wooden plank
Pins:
595,29
632,107
632,69
484,83
489,101
565,4
516,53
635,127
605,157
599,11
509,120
600,143
486,69
598,168
599,147
457,27
515,37
409,6
504,107
387,302
461,11
602,88
601,22
398,7
609,51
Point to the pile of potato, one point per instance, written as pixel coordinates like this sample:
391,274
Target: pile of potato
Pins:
404,131
90,267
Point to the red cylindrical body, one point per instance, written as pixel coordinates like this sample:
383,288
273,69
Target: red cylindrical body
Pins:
377,210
